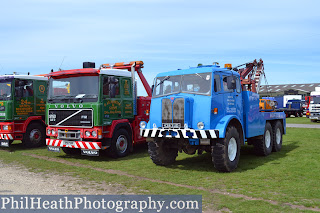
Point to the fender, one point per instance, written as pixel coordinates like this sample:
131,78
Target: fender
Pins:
223,124
117,124
32,118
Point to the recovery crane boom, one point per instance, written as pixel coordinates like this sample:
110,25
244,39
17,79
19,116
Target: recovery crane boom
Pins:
250,76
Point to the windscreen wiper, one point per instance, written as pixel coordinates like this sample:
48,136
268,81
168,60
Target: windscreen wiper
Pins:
165,78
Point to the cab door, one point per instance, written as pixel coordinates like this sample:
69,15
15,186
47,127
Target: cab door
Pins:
23,98
232,97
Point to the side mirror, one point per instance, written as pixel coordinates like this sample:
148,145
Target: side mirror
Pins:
231,82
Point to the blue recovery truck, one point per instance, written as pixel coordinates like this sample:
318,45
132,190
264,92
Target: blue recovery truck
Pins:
212,109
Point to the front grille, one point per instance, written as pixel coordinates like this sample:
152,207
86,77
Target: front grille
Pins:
69,135
71,118
173,113
166,111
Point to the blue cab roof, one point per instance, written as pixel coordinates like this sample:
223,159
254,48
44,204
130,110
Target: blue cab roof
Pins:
199,69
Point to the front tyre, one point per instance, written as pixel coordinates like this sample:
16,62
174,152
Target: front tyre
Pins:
226,152
121,144
263,147
277,137
35,135
161,153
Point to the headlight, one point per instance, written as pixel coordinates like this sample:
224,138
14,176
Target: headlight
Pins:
53,132
143,124
94,133
48,131
87,133
6,127
200,125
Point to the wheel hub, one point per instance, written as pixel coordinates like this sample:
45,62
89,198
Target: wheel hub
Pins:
122,144
267,139
278,136
35,135
232,149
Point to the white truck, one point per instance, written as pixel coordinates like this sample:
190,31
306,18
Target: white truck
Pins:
314,107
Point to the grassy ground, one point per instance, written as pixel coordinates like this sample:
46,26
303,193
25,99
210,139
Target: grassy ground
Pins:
289,177
300,120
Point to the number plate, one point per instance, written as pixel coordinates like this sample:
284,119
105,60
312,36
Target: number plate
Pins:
171,125
89,152
4,143
53,149
69,143
2,114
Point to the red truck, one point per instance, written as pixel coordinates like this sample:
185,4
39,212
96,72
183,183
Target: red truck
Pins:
89,109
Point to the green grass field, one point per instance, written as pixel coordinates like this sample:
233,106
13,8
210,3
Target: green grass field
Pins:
300,120
279,182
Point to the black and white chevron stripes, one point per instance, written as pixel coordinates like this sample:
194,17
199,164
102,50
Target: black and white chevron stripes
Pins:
179,133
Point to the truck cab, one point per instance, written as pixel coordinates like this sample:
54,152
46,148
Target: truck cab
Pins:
22,109
90,110
314,106
206,108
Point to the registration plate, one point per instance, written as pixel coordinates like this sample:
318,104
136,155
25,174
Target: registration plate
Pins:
53,149
89,152
2,114
171,125
4,143
69,143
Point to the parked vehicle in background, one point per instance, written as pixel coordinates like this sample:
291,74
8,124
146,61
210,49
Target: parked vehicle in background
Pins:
314,107
305,106
212,109
267,105
283,100
91,109
293,107
22,109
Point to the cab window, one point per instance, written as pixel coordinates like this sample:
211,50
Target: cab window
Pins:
23,88
108,82
217,83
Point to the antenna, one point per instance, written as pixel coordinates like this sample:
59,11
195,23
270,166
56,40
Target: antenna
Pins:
62,62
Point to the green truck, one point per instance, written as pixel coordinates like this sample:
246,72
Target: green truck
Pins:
22,109
90,110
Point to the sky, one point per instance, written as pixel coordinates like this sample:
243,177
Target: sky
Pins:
37,36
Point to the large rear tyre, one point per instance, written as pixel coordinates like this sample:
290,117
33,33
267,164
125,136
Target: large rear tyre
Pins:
35,135
277,137
71,151
226,152
121,144
263,147
161,153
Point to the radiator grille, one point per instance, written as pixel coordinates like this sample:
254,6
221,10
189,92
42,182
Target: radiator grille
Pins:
74,118
173,112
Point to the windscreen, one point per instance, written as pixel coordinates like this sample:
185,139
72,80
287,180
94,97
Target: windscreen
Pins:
198,83
5,89
73,89
315,100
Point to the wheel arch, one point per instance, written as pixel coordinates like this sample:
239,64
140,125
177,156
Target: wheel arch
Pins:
230,120
32,120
